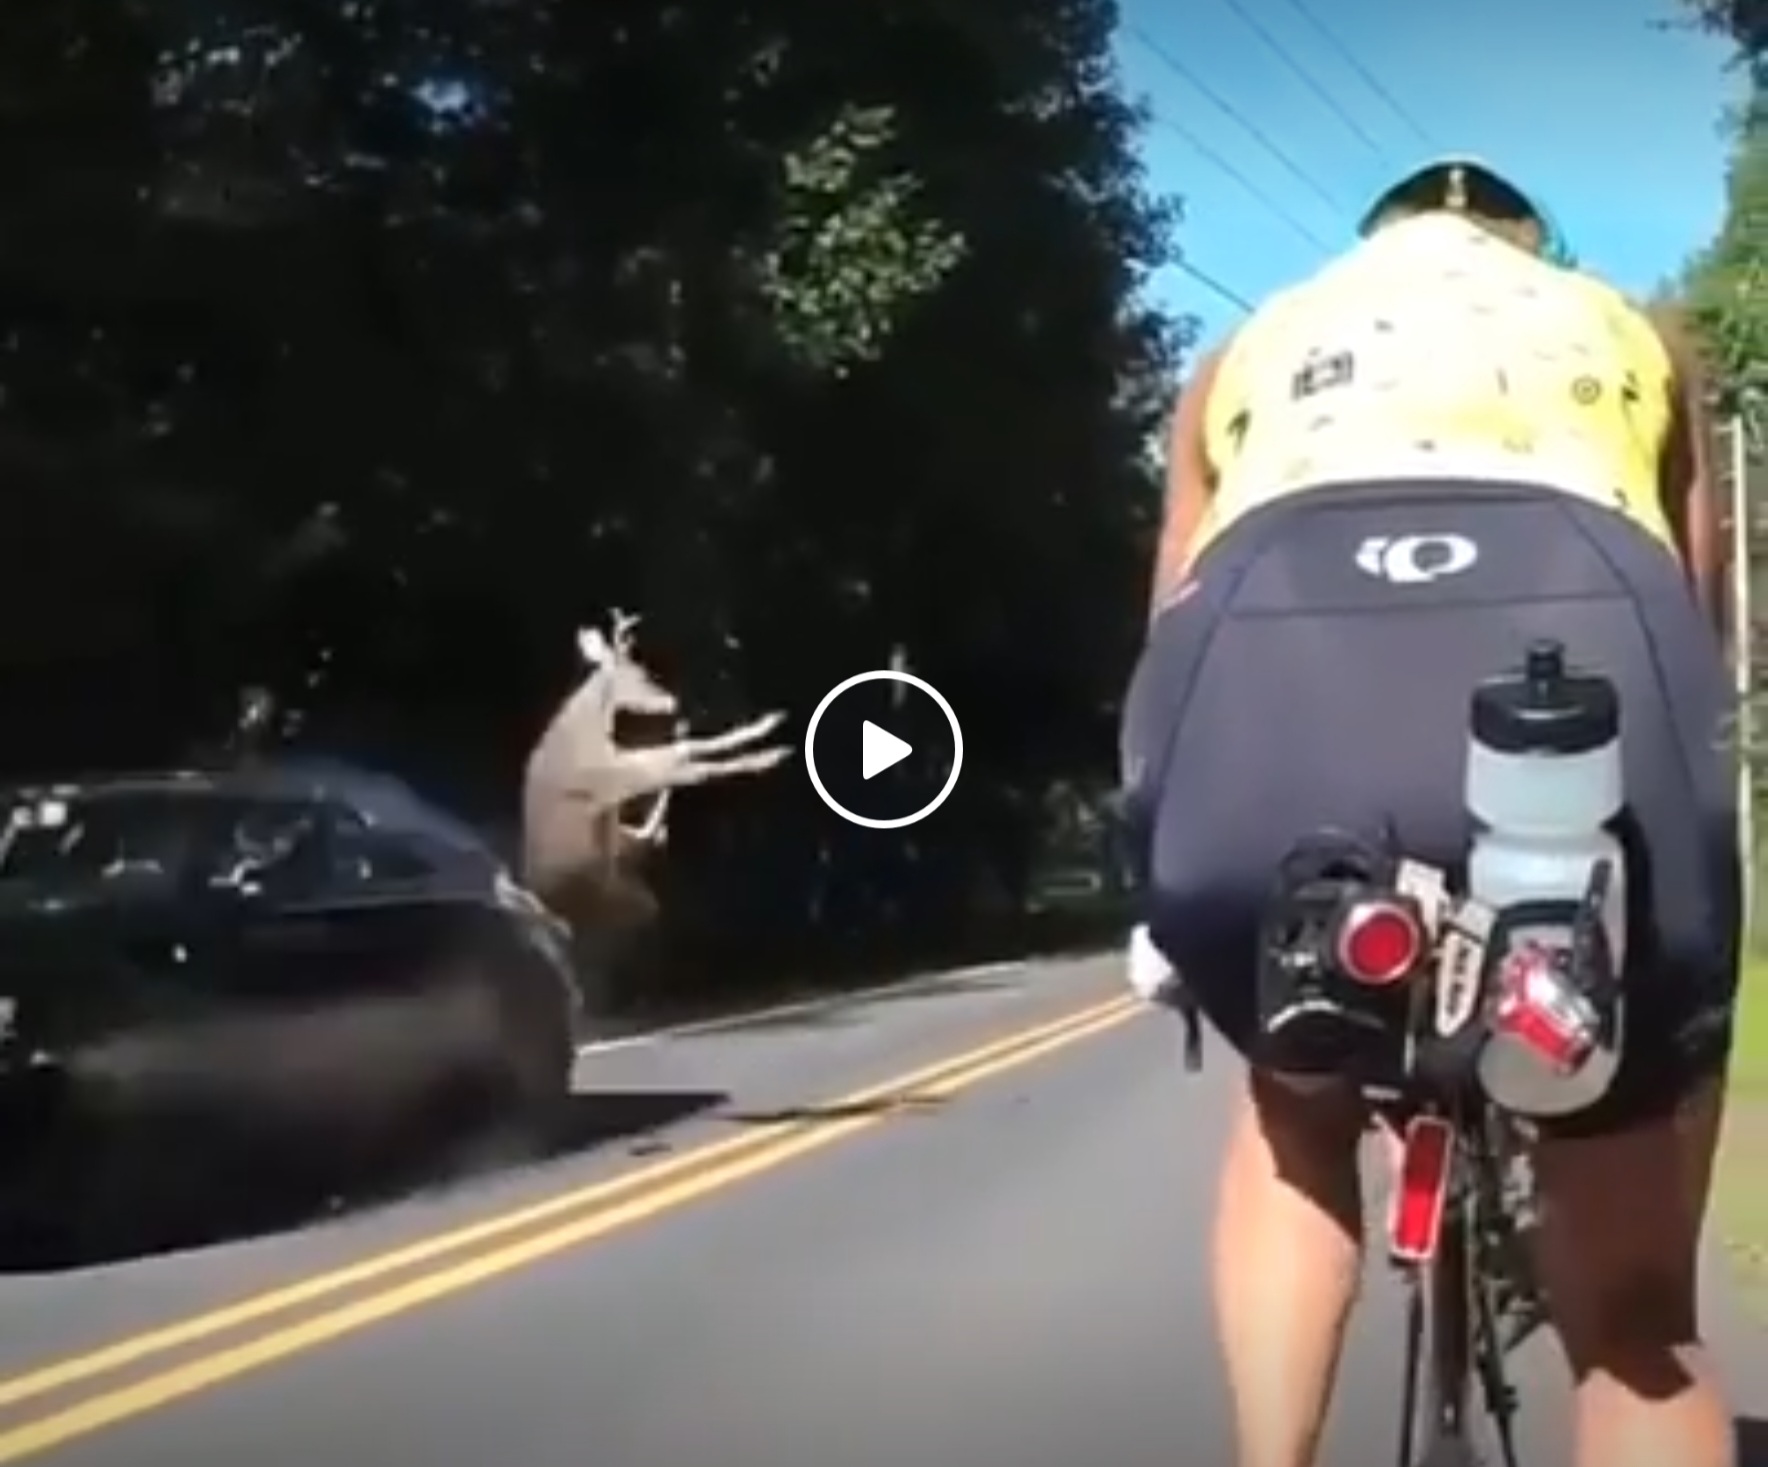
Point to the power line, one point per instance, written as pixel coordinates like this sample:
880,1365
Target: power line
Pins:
1209,282
1369,79
1306,77
1239,177
1229,110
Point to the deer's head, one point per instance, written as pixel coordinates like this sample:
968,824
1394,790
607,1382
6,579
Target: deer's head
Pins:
616,677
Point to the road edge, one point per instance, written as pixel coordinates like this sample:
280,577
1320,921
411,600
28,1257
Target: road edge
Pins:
824,1001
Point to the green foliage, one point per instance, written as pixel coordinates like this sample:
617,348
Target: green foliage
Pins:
1726,286
1744,21
850,253
365,353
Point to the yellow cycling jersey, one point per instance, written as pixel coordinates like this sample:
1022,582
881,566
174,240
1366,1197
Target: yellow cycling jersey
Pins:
1434,350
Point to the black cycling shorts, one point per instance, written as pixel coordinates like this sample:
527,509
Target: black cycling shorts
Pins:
1316,673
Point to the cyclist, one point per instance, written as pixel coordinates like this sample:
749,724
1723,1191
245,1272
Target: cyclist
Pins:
1447,442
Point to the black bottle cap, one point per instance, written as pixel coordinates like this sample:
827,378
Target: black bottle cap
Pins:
1542,707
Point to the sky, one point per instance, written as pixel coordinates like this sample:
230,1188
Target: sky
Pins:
1611,121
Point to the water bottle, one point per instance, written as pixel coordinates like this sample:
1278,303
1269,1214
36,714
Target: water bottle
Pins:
1543,783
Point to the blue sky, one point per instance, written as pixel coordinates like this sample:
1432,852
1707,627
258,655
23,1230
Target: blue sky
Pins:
1613,122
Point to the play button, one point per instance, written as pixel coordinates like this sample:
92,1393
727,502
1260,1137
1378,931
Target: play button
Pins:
879,749
883,749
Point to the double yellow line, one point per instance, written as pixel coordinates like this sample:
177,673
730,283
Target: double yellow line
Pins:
403,1279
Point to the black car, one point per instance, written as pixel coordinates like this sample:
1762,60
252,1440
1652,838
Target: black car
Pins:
260,984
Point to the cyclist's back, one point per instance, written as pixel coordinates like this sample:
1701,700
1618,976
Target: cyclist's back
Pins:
1437,351
1442,446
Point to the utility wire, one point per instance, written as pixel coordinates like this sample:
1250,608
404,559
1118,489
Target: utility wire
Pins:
1210,283
1369,79
1239,177
1229,110
1306,77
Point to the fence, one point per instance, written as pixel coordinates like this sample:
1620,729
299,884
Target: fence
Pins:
1746,500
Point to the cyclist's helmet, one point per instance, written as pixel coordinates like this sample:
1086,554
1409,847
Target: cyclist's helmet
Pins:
1476,187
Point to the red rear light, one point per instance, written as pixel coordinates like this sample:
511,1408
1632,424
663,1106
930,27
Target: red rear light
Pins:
1538,1006
1379,942
1421,1190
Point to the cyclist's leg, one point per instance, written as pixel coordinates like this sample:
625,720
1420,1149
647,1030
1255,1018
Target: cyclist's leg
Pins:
1618,1253
1287,1258
1624,1186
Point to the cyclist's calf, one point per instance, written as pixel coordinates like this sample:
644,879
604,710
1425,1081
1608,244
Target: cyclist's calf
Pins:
1624,1298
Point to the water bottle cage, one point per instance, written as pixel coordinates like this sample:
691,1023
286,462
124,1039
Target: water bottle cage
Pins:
1594,965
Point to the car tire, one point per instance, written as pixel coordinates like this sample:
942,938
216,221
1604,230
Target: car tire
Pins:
507,1107
535,1012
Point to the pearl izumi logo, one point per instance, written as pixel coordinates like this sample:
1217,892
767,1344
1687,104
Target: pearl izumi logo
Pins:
1413,560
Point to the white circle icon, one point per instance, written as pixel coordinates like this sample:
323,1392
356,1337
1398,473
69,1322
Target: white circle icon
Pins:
887,676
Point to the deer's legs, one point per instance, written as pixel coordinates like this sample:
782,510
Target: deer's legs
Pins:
734,738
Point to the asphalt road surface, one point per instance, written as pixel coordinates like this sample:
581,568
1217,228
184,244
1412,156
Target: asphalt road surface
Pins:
961,1223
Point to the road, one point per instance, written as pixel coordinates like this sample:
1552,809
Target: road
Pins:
998,1261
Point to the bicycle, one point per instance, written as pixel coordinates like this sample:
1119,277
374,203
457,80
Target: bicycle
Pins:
1463,1201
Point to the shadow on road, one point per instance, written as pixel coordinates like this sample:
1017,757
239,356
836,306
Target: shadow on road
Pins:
145,1225
599,1118
1752,1442
884,1105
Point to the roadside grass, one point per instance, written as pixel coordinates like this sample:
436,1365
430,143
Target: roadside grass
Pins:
1740,1194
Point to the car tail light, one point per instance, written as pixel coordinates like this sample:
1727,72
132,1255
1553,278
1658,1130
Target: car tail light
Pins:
1421,1191
1379,942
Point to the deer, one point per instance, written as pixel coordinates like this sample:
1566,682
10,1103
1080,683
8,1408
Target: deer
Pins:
581,855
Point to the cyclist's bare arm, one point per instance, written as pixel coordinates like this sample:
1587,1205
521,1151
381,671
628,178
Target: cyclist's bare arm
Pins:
1189,480
1686,478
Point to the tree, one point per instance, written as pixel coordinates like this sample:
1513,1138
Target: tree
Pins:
1726,291
1744,21
1726,285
